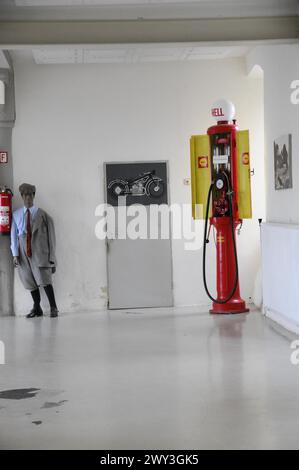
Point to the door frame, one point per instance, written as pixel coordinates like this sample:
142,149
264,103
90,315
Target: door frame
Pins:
170,221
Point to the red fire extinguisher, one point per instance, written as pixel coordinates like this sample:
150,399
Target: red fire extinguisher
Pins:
5,210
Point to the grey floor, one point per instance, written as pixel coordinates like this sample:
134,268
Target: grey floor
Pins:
148,379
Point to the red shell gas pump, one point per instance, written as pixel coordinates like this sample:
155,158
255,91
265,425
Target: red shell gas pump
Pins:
5,210
222,187
225,215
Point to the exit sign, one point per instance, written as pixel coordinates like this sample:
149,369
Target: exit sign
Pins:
3,157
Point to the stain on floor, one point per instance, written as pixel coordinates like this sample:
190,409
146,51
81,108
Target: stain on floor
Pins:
53,404
37,423
19,393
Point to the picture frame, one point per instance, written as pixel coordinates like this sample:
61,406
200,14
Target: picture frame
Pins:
283,173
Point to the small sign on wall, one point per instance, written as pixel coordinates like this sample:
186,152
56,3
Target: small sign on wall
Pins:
3,157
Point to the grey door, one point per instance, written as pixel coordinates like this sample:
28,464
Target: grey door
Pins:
139,271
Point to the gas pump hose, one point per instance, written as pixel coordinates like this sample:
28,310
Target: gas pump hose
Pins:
229,193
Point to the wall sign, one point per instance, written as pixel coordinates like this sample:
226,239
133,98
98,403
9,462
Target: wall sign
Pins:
3,157
140,182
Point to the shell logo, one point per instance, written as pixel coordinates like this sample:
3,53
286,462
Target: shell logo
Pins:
203,162
245,158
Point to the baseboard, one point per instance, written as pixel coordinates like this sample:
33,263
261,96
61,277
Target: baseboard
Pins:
283,321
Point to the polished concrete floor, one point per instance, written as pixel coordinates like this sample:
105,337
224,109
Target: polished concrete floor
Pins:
148,379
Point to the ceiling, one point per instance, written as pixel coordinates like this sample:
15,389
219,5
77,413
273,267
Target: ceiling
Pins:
31,18
135,53
44,10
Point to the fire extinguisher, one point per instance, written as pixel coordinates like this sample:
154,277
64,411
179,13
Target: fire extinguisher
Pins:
5,210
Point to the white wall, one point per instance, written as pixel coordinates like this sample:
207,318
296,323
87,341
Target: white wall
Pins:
280,273
72,118
280,65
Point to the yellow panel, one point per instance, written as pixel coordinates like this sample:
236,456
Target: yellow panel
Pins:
200,174
244,186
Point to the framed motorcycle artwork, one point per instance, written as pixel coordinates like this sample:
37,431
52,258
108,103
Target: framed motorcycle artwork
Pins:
139,182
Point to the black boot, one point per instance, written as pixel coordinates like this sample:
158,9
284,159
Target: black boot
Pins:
36,310
54,312
51,297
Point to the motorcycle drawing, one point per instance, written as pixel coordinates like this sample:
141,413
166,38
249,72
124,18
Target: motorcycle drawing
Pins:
145,184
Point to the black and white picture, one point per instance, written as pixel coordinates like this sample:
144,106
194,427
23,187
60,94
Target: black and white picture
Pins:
141,182
283,162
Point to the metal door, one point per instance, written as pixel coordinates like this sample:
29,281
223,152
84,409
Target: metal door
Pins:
139,270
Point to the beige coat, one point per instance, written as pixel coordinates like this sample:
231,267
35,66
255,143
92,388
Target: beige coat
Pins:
43,240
